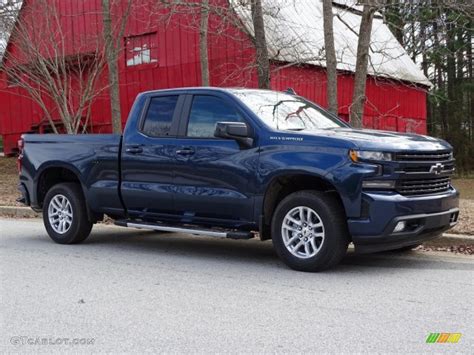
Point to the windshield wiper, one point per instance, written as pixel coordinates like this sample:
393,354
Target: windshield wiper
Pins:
295,129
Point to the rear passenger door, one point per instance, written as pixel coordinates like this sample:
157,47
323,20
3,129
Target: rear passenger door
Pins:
212,174
148,159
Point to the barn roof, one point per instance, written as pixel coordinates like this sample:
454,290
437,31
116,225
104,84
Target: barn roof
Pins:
294,31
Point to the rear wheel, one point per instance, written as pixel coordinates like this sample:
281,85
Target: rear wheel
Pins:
64,214
309,231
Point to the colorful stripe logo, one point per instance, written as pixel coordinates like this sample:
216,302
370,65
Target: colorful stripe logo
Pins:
443,338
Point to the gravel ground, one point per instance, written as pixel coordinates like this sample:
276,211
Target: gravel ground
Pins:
447,244
466,217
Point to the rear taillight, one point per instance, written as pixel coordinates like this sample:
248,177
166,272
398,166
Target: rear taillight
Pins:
21,145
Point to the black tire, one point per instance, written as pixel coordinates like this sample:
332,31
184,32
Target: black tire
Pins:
80,226
336,235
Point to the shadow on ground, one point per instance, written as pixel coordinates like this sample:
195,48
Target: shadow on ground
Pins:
254,252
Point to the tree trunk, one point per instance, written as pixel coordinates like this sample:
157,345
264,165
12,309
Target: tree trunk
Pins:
414,36
471,80
451,78
111,54
203,51
358,97
424,59
459,50
442,111
331,63
263,62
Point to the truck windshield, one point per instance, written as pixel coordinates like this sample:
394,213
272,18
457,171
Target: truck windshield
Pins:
283,111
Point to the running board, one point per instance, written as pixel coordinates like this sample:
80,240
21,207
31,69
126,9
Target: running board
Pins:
165,228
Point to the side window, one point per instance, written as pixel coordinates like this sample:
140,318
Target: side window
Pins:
206,111
159,116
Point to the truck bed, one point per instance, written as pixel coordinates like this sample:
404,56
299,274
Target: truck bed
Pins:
93,158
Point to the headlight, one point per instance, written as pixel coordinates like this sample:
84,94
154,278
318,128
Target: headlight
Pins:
357,155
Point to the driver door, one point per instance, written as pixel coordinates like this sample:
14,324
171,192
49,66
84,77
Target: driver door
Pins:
213,175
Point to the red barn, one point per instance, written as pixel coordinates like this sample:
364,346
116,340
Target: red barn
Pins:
160,49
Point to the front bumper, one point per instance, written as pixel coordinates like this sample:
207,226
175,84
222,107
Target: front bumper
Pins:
426,217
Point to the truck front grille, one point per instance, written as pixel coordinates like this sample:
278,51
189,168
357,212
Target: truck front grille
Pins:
448,168
424,156
424,173
423,187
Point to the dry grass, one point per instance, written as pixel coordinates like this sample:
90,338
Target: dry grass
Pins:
465,188
452,245
466,205
9,193
466,218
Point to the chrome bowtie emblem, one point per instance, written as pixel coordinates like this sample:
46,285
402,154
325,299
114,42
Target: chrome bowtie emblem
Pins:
437,168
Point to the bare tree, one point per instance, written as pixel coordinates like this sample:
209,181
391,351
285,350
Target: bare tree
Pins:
63,83
203,50
360,80
234,15
331,62
113,43
198,13
263,62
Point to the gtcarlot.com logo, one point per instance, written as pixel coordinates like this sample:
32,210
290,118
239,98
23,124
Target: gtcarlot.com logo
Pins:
23,340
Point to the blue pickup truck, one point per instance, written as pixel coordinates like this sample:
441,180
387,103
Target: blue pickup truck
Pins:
237,163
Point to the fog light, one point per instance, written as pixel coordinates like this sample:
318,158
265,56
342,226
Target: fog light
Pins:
400,227
378,184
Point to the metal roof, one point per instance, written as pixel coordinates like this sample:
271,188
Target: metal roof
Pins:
294,31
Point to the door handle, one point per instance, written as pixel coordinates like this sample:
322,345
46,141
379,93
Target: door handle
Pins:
185,151
134,149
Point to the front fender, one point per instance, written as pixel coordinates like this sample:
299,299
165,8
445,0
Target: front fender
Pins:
329,164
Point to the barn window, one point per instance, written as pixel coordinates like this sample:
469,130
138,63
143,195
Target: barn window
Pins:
142,49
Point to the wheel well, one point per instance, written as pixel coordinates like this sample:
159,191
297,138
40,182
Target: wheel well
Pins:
282,186
51,177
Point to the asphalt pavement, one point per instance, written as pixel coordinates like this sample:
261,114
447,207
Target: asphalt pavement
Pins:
125,290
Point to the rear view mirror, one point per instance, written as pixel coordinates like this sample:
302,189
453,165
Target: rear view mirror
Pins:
238,131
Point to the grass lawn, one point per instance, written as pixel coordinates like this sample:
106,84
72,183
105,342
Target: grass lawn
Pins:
465,187
9,181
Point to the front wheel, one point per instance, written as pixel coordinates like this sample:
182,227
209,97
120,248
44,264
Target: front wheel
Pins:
64,214
309,231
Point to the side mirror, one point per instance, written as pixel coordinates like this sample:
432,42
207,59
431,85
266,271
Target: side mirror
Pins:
238,131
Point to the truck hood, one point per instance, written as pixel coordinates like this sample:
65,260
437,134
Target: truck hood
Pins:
382,140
